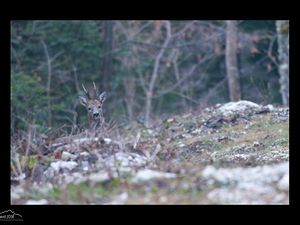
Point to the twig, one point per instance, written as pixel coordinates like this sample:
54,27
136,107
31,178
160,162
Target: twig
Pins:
136,140
185,97
157,149
177,83
17,162
76,78
143,83
186,27
272,41
14,169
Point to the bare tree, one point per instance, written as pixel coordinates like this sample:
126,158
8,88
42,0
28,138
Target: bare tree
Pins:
49,70
107,59
178,62
231,60
154,76
282,27
48,83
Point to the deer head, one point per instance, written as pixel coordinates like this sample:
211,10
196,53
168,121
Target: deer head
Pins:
93,103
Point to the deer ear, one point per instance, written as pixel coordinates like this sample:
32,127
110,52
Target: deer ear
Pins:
82,100
102,97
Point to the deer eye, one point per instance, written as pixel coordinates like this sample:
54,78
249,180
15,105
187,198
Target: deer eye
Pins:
89,109
99,106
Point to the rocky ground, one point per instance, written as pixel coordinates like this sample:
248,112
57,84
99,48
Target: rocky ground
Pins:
234,153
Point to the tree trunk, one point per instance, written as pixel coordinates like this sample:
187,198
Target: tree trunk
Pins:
107,59
282,27
129,86
231,61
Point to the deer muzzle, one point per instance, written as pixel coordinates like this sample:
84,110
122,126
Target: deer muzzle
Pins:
96,113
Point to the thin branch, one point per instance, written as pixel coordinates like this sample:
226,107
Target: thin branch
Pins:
272,41
125,30
56,55
143,83
186,27
76,78
48,82
212,90
143,27
159,56
177,83
185,97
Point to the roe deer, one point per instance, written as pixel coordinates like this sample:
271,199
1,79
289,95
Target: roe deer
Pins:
93,103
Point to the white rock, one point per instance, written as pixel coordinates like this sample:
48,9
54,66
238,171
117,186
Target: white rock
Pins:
163,199
66,156
270,107
170,120
85,165
118,200
20,177
99,177
122,159
146,174
14,195
249,185
150,131
107,140
239,106
74,178
16,191
78,178
266,174
63,165
123,197
284,183
44,189
37,202
211,172
208,171
82,140
49,173
239,157
256,143
197,131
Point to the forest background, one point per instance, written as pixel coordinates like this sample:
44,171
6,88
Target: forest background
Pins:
149,69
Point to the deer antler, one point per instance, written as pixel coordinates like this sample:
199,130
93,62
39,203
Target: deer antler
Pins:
85,91
95,88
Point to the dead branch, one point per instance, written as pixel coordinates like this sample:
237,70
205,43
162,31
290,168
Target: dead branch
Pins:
48,82
177,83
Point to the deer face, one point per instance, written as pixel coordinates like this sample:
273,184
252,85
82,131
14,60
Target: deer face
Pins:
93,104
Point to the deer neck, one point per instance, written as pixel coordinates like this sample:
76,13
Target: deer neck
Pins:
95,124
